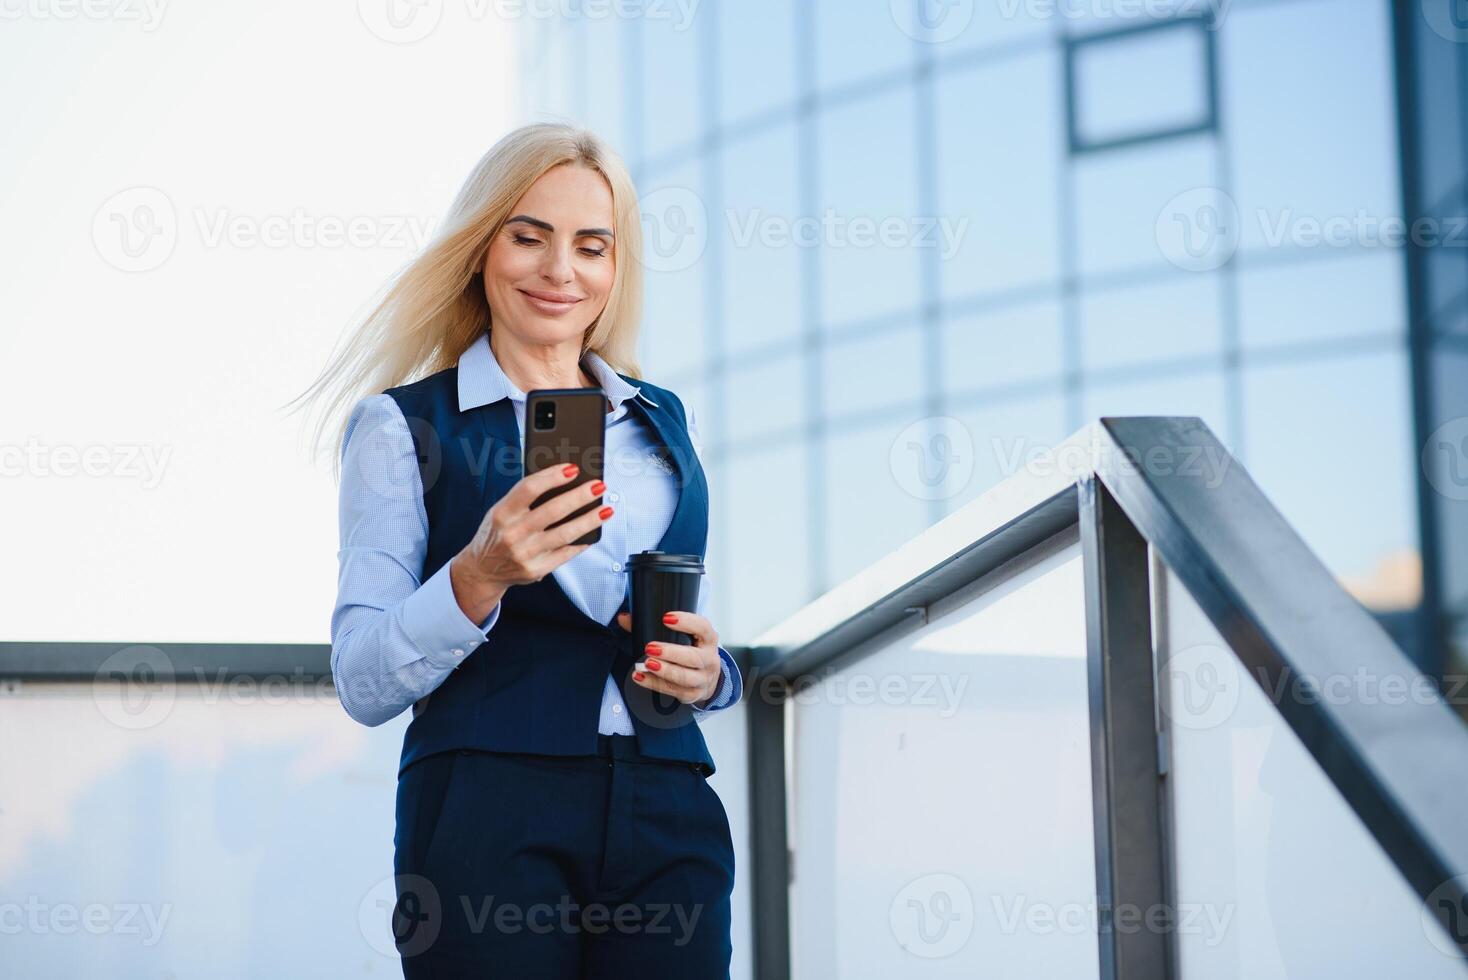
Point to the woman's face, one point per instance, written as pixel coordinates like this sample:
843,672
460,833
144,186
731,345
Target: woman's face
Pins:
549,270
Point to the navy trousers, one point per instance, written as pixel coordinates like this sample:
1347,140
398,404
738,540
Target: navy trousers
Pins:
526,866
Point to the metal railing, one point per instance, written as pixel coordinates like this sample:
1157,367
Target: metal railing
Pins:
1130,484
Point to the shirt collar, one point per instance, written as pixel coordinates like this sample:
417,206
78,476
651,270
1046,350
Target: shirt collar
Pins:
483,382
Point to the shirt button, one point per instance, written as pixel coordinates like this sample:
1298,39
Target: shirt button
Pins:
616,566
616,709
614,497
458,652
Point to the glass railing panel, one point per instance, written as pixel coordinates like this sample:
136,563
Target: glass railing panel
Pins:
1276,876
941,791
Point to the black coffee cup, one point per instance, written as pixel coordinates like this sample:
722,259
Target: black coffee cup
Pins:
659,583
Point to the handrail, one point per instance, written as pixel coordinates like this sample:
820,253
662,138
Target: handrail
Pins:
1165,482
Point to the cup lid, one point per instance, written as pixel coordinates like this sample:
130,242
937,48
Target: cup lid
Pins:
665,561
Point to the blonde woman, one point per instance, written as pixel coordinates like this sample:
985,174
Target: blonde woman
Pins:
546,827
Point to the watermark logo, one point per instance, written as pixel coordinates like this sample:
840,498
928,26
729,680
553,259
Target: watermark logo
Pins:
1447,18
134,688
409,907
933,458
1445,917
1198,230
135,230
932,21
1445,459
675,229
1203,686
933,916
400,21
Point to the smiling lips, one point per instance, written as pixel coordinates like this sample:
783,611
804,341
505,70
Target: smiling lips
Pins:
548,302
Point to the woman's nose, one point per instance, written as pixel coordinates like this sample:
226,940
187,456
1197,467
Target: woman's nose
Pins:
557,267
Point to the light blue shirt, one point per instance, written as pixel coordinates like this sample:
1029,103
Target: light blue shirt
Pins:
395,638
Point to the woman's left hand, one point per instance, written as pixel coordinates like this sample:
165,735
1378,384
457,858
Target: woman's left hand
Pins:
688,673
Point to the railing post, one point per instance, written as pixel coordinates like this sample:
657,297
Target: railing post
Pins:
768,840
1132,867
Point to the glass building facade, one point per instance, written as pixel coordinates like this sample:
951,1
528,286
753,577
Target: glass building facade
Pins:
896,252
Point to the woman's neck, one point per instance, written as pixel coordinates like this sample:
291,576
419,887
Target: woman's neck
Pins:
532,366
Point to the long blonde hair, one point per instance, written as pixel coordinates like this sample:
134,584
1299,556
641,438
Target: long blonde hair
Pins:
435,308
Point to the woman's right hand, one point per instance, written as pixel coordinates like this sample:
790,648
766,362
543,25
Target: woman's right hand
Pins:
515,545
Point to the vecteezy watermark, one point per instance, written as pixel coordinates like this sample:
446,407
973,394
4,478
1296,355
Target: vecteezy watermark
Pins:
938,21
137,230
940,691
407,21
118,461
1445,917
415,913
932,917
676,229
1208,464
834,230
1445,459
933,458
1206,921
1201,229
38,917
148,14
1204,683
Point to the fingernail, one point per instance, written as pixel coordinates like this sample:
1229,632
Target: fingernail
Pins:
670,617
640,676
605,512
650,648
654,665
597,488
570,469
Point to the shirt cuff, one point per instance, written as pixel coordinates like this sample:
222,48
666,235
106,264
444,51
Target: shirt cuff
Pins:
730,685
437,626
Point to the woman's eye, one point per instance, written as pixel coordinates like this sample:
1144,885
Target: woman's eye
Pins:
526,240
595,252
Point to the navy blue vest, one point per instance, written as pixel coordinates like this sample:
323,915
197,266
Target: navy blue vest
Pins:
536,684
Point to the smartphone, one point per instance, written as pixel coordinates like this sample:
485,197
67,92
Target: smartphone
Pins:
566,425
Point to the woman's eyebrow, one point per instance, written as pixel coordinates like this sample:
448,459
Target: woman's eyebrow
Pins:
546,225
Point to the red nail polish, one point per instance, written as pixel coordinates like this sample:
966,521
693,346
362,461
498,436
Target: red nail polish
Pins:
597,488
570,469
640,676
605,512
654,665
651,648
670,617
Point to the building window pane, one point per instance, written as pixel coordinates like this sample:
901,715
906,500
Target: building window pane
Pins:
873,372
1000,150
1308,432
762,262
1017,345
756,57
766,397
1300,302
868,185
675,231
855,41
1161,321
1145,83
858,468
769,559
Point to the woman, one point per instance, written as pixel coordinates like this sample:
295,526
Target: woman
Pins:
548,823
